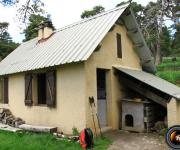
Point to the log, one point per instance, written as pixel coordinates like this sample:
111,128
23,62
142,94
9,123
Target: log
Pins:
38,129
73,138
18,123
9,128
6,117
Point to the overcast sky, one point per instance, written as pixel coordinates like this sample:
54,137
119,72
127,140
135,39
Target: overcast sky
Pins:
62,12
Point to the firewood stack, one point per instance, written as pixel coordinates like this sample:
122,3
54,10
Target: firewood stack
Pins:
6,117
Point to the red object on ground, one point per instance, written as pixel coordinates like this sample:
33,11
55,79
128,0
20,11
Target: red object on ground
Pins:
82,139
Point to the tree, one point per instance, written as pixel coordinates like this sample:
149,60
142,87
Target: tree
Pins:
176,43
32,29
137,9
165,42
6,48
6,44
4,35
151,20
25,9
96,10
171,10
124,2
154,23
175,12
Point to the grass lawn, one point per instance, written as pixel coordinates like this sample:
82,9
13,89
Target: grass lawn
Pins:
171,76
32,141
169,70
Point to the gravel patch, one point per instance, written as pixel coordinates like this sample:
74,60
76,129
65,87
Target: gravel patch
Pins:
123,140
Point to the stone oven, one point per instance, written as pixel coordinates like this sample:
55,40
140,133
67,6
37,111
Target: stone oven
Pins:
137,115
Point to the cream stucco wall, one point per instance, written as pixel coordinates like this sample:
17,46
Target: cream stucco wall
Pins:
106,58
173,110
69,111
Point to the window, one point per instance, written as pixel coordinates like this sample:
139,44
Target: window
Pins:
41,87
119,45
4,90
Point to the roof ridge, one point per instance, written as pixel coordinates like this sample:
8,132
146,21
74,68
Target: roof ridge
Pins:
92,17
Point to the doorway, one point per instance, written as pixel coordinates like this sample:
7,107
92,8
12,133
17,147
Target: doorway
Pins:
101,97
129,121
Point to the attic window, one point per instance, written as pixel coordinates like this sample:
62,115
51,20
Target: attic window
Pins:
119,45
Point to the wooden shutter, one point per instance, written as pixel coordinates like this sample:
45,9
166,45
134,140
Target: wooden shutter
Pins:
28,90
6,98
51,88
119,45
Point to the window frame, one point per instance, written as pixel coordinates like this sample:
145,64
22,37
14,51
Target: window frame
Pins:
119,45
49,91
41,102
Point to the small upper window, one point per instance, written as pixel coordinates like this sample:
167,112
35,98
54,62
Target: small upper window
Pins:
119,45
4,90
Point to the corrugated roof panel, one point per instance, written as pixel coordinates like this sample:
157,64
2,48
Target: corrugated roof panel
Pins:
72,43
143,51
153,81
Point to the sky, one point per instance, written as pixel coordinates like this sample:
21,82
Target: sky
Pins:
62,13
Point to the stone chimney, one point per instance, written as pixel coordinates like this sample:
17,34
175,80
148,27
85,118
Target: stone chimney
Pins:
45,30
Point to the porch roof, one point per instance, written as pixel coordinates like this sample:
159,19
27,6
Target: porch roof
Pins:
153,81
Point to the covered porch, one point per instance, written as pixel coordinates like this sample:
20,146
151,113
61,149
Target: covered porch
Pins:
147,100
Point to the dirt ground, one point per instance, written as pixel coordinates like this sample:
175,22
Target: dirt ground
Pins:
136,141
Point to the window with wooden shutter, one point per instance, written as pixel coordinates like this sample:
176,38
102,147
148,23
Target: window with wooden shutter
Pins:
51,88
28,90
119,45
6,93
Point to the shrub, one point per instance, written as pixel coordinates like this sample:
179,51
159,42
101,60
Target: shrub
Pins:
75,131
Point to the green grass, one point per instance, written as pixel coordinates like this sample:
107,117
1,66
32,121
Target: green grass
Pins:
168,64
169,70
169,59
174,66
31,141
171,76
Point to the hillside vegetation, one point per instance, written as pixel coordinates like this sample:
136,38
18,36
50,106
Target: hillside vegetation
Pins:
169,70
